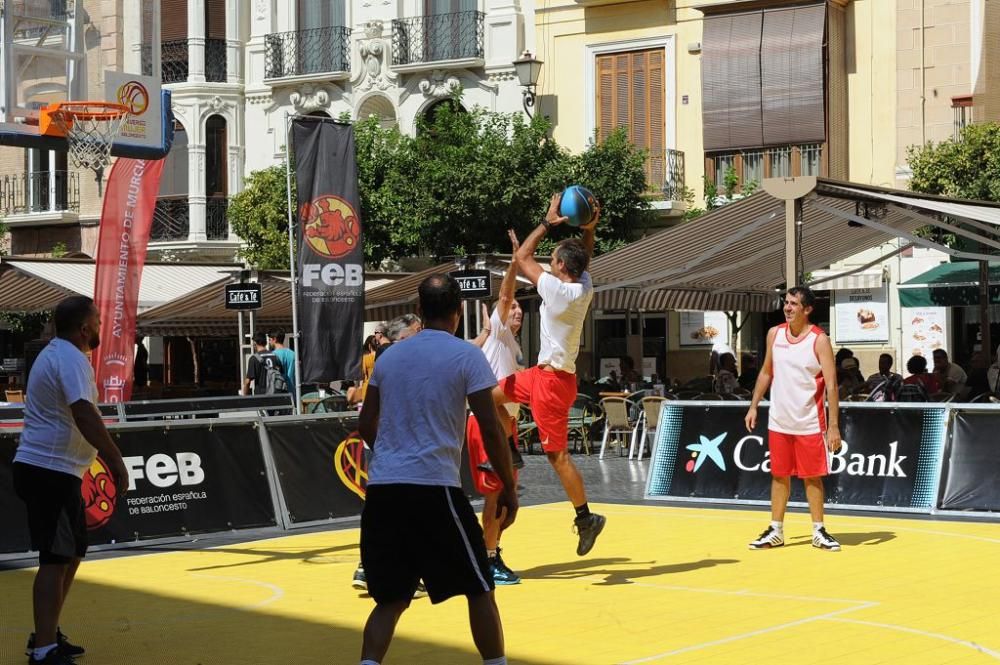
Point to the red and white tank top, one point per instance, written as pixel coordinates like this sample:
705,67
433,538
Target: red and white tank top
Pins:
797,385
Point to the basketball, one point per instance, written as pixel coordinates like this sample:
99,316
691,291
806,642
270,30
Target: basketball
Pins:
578,204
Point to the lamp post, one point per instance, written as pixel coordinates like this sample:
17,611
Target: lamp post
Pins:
528,68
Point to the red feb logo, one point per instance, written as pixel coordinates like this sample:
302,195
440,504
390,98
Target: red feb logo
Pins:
99,495
332,228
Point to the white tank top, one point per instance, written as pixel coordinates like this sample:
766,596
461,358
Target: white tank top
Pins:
797,385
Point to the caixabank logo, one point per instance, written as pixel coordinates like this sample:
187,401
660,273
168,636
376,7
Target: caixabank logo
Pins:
742,455
332,230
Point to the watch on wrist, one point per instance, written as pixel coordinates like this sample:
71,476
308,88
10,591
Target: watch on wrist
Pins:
547,224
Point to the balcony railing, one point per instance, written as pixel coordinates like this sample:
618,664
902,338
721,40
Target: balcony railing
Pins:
304,52
673,176
174,60
216,223
39,192
171,218
437,37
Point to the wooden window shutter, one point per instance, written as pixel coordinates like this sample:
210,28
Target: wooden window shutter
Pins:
173,20
730,81
836,154
792,75
656,178
630,94
215,19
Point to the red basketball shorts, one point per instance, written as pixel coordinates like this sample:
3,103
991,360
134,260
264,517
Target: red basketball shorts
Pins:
800,455
486,482
549,395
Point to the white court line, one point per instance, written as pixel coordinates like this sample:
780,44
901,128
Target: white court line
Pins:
743,636
277,593
753,594
938,636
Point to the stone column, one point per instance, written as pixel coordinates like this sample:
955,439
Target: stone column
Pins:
196,190
196,44
234,43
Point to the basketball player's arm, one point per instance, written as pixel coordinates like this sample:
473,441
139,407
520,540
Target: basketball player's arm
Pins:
509,282
763,382
588,231
525,254
368,420
88,420
481,403
824,350
484,332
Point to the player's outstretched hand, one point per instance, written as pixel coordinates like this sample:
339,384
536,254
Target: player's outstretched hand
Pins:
507,506
552,216
515,244
592,224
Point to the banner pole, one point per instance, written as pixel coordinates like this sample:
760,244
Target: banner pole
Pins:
296,390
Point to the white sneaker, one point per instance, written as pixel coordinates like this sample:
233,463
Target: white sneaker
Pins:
825,541
768,539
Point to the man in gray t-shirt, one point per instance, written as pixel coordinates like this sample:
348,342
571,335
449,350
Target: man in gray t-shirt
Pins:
417,522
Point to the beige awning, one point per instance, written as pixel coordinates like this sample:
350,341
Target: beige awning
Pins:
739,249
34,285
836,280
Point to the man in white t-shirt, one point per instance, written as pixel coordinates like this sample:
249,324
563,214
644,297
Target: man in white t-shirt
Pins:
549,388
417,522
498,340
63,434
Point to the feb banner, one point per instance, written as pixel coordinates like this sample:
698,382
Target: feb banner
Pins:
890,456
330,256
126,222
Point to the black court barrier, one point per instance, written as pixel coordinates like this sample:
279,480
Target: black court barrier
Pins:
183,479
971,468
890,458
208,407
321,466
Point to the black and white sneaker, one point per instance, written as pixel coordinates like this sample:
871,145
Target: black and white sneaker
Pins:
65,646
825,541
768,539
359,581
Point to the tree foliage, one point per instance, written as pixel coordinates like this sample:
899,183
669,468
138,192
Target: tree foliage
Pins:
968,168
456,187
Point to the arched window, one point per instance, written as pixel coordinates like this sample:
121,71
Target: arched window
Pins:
381,108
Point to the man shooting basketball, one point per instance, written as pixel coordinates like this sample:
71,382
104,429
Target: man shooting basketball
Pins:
549,388
798,366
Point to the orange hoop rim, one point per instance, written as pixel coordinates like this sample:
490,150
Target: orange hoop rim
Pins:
87,110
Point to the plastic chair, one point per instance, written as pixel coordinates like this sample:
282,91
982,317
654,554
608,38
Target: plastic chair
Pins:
651,417
583,414
942,397
710,397
618,420
15,396
526,427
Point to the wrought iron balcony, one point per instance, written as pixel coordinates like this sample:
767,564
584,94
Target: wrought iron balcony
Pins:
174,60
304,52
39,192
171,218
437,37
216,222
673,175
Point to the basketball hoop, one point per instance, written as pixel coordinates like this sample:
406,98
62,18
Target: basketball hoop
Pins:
89,127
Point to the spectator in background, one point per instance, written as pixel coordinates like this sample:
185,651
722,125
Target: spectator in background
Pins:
978,383
993,374
367,365
285,356
885,372
842,354
950,376
725,381
258,365
140,375
849,376
630,377
399,329
748,378
917,367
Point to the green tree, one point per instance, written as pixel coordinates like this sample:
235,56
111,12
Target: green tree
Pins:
456,187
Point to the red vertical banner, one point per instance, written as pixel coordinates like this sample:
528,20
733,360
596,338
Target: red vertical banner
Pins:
126,222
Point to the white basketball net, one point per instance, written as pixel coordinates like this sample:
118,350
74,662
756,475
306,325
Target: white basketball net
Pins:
90,131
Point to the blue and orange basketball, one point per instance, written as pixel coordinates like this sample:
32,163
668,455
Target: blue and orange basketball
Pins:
578,204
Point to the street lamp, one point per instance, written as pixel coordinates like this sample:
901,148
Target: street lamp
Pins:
528,68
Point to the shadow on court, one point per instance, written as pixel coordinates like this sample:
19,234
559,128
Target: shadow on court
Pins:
849,539
614,569
320,555
120,626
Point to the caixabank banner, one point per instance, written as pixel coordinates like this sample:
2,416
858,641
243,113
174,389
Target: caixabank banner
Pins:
890,457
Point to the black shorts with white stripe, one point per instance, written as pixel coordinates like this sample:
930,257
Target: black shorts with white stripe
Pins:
417,532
